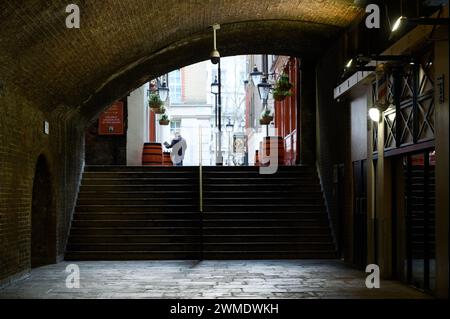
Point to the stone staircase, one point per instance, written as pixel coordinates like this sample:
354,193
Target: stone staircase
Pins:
126,213
252,216
133,213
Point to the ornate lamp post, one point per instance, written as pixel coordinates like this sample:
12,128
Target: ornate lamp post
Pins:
264,88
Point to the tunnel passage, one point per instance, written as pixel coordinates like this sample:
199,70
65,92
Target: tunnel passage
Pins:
68,76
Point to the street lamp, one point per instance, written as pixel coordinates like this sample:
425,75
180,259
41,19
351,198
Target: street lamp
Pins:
256,75
163,91
215,86
264,88
229,127
215,59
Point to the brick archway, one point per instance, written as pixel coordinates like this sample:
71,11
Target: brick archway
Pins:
43,239
120,47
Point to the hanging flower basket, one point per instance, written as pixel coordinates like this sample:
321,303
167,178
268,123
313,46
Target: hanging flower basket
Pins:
160,110
265,120
164,120
266,117
155,103
282,88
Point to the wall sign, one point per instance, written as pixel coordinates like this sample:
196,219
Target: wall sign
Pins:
46,128
110,121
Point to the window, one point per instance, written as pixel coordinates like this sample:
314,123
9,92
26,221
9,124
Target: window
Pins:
175,126
175,86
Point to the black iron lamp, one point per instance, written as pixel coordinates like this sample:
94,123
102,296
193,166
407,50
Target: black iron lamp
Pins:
163,91
215,86
256,75
264,88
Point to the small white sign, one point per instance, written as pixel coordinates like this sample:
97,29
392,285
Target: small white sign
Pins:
46,128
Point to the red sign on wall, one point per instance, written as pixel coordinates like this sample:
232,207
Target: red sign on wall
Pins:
110,121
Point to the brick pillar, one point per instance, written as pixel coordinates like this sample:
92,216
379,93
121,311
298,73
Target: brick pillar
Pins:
306,115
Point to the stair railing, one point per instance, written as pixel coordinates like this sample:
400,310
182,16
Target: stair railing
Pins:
200,169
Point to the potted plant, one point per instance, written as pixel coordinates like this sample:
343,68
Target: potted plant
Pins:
266,117
282,88
155,103
164,120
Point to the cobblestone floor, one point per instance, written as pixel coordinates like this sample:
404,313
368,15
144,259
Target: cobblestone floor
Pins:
206,279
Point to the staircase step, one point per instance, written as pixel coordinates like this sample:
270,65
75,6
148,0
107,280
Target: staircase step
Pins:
137,188
173,181
150,247
103,239
264,254
241,231
263,206
137,223
279,246
138,195
169,215
136,201
78,231
138,208
268,200
133,255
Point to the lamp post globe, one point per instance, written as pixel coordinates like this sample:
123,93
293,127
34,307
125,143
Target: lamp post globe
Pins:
264,89
163,91
256,75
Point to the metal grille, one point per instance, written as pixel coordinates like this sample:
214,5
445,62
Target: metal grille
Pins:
410,117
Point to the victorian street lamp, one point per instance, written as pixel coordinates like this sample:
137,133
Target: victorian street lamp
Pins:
163,91
264,89
256,75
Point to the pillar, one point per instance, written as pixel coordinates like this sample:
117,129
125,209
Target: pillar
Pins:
137,133
306,115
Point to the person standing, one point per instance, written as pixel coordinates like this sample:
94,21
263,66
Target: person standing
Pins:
179,147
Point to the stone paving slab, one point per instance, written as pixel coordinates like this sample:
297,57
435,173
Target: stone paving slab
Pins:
289,279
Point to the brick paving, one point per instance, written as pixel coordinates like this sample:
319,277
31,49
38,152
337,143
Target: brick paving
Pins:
206,279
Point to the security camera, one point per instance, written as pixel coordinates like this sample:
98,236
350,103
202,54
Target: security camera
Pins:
214,56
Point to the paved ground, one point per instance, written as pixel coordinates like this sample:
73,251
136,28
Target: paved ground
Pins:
207,279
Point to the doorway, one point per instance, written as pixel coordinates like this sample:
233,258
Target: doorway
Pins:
43,243
419,265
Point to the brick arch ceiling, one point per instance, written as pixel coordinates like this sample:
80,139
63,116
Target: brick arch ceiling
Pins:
122,44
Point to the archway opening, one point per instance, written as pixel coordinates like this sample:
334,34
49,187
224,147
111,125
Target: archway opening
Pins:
43,247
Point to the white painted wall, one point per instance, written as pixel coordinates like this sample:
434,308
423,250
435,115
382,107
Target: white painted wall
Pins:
137,133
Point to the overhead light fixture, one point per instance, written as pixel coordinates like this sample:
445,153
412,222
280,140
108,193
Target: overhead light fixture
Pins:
375,114
349,64
256,75
398,23
402,20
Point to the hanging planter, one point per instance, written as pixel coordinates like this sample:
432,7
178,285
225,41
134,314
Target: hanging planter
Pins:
266,118
161,110
155,103
282,88
164,120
